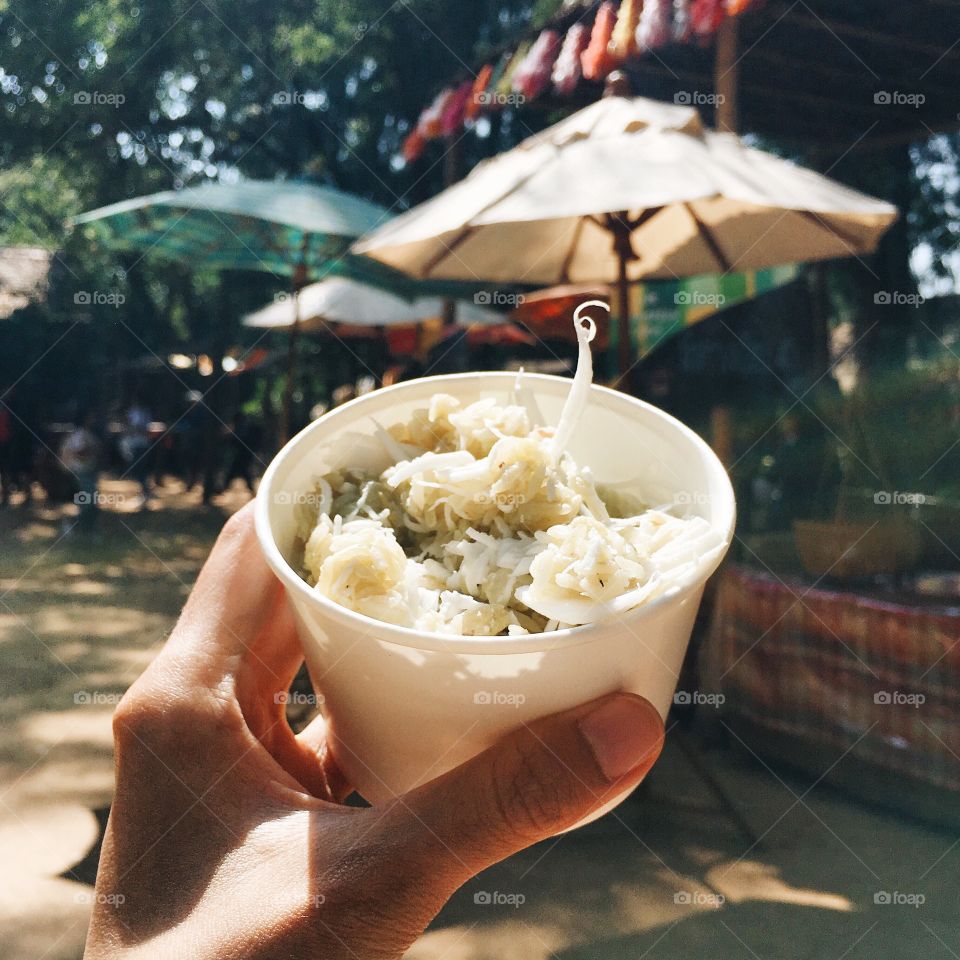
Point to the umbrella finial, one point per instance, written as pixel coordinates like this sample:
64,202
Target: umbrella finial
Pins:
618,85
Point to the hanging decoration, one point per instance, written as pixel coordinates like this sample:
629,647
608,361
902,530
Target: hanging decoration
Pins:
413,146
505,86
495,79
430,123
655,29
623,40
451,120
478,93
533,75
596,60
558,61
567,70
681,20
706,16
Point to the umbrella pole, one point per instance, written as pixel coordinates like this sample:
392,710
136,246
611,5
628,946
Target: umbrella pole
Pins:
620,227
291,369
623,322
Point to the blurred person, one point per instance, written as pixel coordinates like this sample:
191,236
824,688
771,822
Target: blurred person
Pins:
135,447
269,863
6,452
243,439
187,431
80,455
343,394
17,451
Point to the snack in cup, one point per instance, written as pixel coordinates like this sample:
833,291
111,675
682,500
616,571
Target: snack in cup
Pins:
484,525
582,575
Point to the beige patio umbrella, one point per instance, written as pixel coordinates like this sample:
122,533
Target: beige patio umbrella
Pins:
342,300
628,189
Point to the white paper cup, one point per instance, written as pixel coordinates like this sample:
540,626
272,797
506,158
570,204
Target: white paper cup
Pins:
404,706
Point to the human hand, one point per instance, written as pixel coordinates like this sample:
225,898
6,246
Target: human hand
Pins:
227,839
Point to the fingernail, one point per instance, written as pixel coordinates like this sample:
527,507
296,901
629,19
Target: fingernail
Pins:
623,733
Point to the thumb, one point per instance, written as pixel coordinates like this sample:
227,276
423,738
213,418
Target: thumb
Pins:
538,780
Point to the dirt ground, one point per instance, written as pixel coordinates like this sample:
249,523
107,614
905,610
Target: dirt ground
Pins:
790,869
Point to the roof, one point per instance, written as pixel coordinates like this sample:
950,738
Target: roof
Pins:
837,75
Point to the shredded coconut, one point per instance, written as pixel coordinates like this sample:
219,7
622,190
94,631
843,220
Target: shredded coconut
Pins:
485,526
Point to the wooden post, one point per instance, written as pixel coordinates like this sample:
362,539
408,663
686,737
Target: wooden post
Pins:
299,282
292,337
452,172
726,71
820,332
725,78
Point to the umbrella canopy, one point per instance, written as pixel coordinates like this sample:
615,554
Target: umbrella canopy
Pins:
274,226
341,300
664,306
293,229
547,312
626,189
696,201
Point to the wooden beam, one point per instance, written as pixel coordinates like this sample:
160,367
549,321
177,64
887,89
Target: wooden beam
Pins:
726,69
747,91
899,39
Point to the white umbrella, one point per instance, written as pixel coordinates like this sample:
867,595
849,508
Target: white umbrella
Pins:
339,300
625,189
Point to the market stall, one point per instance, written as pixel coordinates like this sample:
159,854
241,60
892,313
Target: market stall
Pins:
810,672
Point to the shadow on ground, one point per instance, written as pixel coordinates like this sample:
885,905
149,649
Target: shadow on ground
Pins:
799,873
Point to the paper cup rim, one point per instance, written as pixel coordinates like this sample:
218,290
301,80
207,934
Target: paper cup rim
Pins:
366,626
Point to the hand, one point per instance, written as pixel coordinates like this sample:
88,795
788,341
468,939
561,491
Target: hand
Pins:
226,838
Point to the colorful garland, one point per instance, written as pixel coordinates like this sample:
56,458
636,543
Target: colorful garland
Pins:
618,33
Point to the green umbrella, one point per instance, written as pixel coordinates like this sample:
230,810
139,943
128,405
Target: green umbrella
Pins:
275,226
293,229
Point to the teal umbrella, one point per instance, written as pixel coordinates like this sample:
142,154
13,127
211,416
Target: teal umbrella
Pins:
274,226
289,228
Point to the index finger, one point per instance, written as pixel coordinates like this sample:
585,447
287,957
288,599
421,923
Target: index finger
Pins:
231,608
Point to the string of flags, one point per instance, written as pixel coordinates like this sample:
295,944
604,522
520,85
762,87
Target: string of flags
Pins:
557,61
